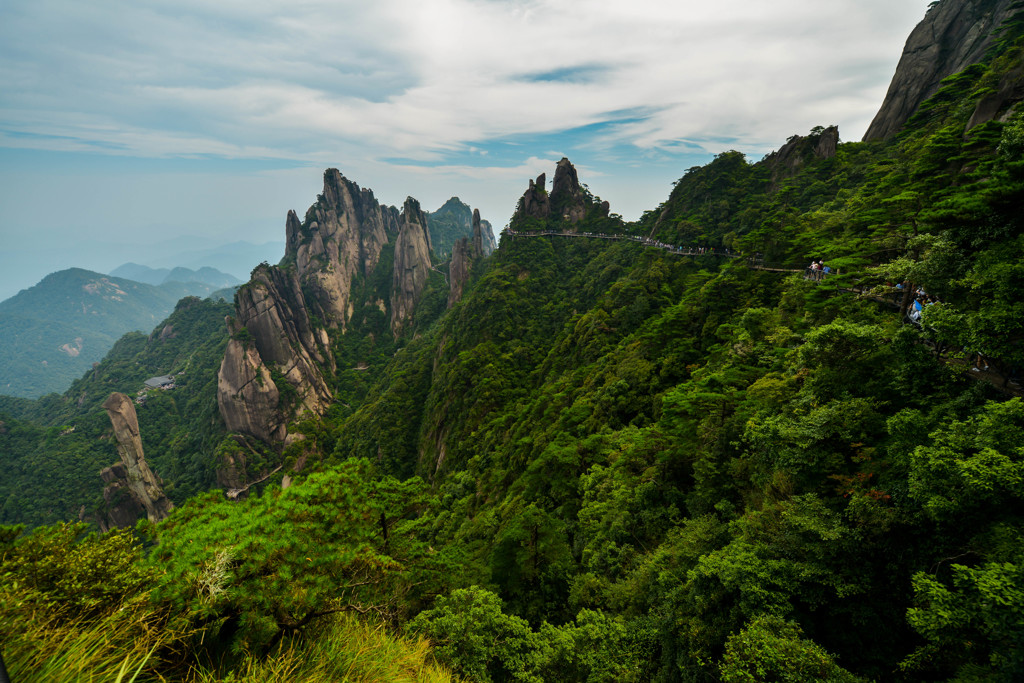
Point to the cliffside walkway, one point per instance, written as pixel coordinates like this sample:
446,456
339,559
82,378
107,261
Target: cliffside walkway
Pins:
645,241
943,353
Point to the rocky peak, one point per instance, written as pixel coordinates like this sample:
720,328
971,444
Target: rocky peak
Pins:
478,236
132,475
342,236
412,263
535,202
801,149
953,35
568,201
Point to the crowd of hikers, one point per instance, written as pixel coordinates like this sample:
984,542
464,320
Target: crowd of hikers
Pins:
818,271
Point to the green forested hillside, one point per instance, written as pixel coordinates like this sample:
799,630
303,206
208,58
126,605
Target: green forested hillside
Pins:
53,449
612,462
53,332
452,222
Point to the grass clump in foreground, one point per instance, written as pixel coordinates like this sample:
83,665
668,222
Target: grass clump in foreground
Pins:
341,649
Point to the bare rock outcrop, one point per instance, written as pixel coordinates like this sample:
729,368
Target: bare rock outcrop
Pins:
132,475
478,235
799,150
248,399
412,263
535,202
953,35
342,236
279,359
569,202
458,271
487,238
273,310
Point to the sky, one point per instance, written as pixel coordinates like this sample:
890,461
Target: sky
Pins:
131,130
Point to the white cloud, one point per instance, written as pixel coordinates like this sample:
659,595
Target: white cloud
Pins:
356,84
414,77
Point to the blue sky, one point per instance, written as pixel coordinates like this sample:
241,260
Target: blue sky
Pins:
128,123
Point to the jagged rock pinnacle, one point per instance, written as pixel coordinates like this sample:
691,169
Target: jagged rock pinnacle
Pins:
134,474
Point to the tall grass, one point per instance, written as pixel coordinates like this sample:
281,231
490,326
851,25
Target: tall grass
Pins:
343,650
116,648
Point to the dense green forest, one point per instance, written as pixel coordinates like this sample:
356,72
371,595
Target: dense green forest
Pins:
54,448
608,461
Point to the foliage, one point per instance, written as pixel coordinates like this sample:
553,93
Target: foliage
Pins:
770,649
613,462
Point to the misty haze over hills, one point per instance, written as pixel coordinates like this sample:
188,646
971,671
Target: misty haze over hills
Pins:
23,268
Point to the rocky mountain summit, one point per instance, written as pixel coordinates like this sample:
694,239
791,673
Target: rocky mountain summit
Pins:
348,252
952,36
451,222
568,201
799,150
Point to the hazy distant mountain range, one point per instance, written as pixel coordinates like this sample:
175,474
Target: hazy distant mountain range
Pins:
53,332
158,276
21,268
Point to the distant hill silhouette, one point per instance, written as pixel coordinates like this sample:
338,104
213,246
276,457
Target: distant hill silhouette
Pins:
53,332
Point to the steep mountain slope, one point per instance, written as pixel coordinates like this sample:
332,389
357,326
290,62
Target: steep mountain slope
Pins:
951,37
452,222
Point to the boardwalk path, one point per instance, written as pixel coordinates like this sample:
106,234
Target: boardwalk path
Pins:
995,380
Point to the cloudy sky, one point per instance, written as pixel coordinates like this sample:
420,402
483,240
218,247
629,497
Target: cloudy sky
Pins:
187,123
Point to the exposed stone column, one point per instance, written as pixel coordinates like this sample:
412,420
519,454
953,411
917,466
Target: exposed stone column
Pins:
141,483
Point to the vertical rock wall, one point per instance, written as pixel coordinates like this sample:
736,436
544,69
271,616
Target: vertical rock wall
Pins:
953,35
412,263
458,271
284,312
133,474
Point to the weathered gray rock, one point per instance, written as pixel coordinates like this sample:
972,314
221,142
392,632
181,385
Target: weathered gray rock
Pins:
133,475
286,311
478,235
122,511
247,397
272,308
458,271
953,35
487,237
568,201
798,151
535,202
412,264
344,234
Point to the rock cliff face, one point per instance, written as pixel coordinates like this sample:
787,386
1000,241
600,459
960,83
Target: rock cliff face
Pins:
132,475
568,202
247,397
342,235
535,202
953,35
279,359
478,235
458,271
487,238
412,263
800,149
